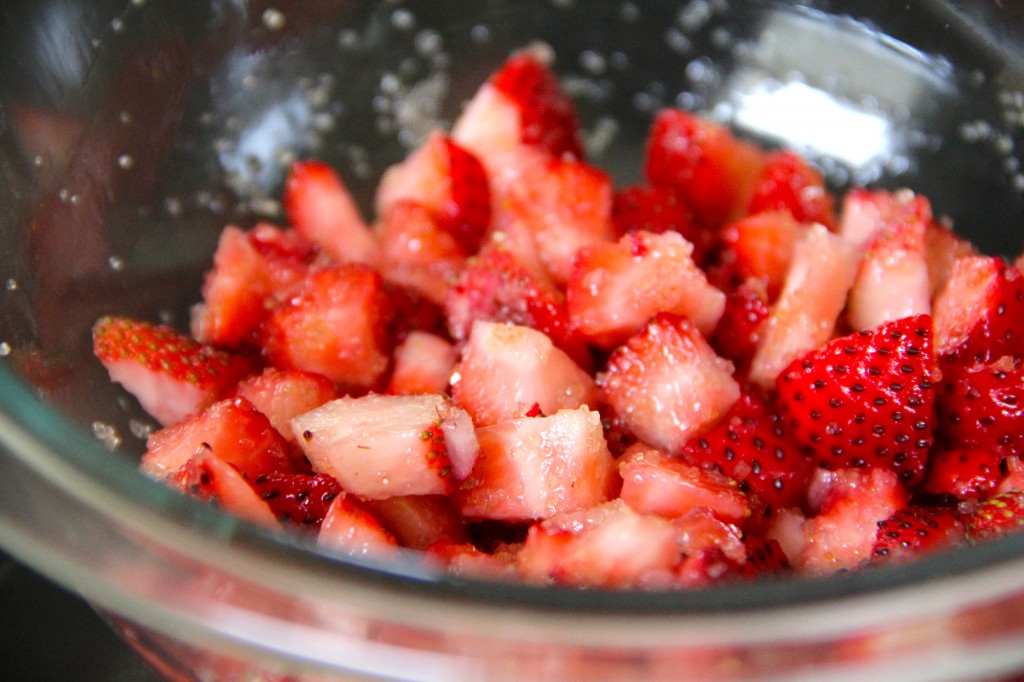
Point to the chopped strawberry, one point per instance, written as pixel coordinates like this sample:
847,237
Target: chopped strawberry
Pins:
410,311
764,556
496,287
319,206
982,405
448,181
996,517
761,246
866,400
283,394
380,446
417,253
942,249
843,534
866,213
466,559
667,384
350,529
805,314
979,310
233,431
654,483
535,467
656,209
615,288
712,170
914,530
506,369
789,183
522,104
423,363
750,446
964,473
213,480
738,331
710,549
300,499
335,327
171,375
419,521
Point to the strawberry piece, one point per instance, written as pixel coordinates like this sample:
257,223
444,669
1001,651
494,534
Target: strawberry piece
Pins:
750,446
215,481
979,310
964,473
667,384
654,483
417,253
843,534
419,521
866,213
996,517
866,399
982,405
764,556
284,394
738,331
710,169
498,288
232,430
448,181
711,549
423,363
171,375
297,498
615,288
380,446
942,249
506,370
805,314
466,559
761,246
787,182
350,529
914,530
535,467
655,209
319,207
335,326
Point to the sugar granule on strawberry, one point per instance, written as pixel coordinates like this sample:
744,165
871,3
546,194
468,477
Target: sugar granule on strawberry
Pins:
867,399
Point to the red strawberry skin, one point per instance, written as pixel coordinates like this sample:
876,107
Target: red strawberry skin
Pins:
788,182
866,399
982,406
301,499
996,517
468,213
548,116
655,209
914,530
965,473
738,330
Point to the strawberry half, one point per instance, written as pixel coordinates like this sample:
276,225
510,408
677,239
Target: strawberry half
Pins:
914,530
866,399
170,374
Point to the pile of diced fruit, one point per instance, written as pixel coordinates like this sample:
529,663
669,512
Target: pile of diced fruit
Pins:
522,371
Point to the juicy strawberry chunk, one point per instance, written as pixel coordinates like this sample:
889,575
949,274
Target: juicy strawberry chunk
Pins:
750,446
788,182
417,253
764,556
335,327
761,246
380,446
866,213
171,375
350,529
866,399
654,483
535,467
711,549
423,363
805,314
667,384
506,369
497,288
943,248
466,559
419,521
738,331
965,473
914,530
982,405
655,209
215,481
617,287
447,180
978,312
297,498
284,394
996,517
844,533
233,431
319,207
704,163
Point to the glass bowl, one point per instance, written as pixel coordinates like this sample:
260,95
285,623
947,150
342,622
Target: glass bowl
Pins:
133,131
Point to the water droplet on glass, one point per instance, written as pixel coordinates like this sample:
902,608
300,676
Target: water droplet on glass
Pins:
5,349
116,263
11,284
273,19
403,20
480,33
117,25
125,161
